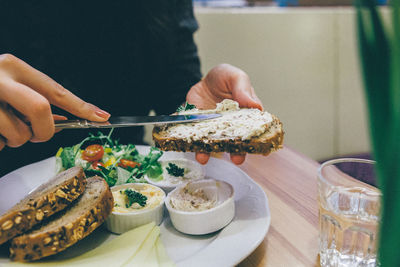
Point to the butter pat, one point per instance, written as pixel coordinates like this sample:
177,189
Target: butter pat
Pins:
234,123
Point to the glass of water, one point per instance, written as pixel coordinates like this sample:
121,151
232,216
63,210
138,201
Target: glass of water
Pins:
349,212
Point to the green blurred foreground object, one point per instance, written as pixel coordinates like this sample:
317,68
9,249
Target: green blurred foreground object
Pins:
380,57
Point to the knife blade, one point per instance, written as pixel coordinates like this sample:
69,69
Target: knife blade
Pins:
130,121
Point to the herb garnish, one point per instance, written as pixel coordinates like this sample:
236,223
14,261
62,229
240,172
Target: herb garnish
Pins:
174,170
134,197
185,107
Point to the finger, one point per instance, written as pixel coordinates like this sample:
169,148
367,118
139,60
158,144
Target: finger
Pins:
32,105
243,92
244,97
255,98
238,158
2,143
59,118
13,131
54,92
202,158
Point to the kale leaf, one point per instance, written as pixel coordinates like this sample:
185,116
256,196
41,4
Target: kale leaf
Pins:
174,170
186,106
135,197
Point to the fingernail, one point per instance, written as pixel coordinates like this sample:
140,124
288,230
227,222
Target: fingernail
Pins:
101,113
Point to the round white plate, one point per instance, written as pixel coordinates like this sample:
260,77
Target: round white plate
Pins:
226,247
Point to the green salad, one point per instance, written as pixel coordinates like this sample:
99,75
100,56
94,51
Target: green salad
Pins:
116,163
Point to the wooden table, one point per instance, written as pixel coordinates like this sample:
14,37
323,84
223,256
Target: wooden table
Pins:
290,181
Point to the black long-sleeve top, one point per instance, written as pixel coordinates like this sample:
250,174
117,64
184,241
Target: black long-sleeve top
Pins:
127,57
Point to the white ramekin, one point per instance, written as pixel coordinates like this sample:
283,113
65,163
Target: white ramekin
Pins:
203,222
118,222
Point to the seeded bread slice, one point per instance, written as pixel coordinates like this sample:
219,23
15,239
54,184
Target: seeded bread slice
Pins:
47,199
67,227
265,143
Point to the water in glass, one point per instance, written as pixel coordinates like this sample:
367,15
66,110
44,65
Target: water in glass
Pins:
349,217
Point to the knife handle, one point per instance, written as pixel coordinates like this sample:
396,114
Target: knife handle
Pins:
71,124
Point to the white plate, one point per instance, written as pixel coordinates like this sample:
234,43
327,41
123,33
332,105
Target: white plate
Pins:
223,248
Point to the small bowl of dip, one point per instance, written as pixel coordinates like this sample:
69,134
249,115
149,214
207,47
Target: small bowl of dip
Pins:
176,172
135,204
201,207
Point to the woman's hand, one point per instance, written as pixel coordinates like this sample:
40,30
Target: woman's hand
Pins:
25,98
221,82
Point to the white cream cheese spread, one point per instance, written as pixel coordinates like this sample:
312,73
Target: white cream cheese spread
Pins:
234,123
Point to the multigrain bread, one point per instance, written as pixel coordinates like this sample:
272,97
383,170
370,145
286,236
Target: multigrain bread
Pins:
67,227
47,199
236,131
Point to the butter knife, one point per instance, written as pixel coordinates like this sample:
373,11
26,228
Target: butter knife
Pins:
129,121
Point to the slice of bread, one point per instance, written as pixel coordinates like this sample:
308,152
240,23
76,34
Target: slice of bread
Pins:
236,131
67,227
47,199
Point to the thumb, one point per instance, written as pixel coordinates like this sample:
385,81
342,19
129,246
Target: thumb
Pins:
247,98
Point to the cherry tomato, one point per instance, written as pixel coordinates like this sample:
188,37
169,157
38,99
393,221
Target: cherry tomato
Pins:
96,164
93,153
125,163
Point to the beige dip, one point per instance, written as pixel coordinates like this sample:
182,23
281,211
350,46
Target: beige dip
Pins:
192,200
154,198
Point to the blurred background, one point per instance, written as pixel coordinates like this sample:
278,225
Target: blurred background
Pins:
302,58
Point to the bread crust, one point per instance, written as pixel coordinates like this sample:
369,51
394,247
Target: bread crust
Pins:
33,210
33,246
264,144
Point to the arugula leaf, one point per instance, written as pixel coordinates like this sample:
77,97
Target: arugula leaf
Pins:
135,197
174,170
154,171
123,176
125,152
151,159
185,107
136,180
104,139
110,175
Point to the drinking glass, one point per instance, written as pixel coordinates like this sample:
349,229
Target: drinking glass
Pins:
349,212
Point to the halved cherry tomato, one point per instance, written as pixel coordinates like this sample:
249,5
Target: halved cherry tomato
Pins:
125,163
93,153
96,164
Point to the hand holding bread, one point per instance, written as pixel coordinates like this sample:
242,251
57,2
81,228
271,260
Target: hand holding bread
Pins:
223,82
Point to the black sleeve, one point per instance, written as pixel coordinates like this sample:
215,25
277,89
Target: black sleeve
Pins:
185,70
173,25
